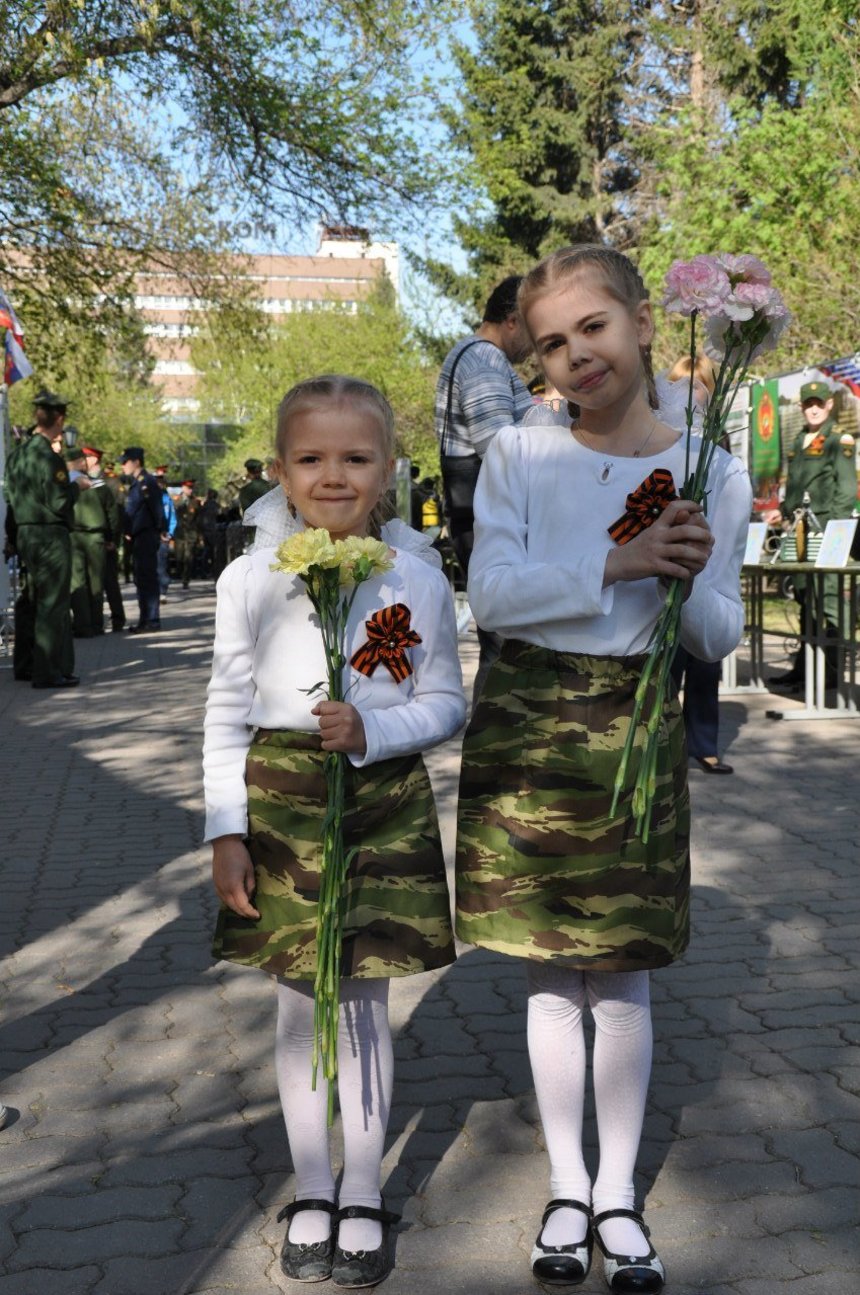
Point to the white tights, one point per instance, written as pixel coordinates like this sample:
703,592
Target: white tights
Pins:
365,1068
620,1005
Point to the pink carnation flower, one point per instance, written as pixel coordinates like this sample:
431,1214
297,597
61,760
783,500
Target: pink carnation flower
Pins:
765,323
755,295
701,284
744,268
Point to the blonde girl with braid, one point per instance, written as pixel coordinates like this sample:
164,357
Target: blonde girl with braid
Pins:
578,529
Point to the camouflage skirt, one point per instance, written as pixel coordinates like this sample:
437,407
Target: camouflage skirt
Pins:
396,905
543,871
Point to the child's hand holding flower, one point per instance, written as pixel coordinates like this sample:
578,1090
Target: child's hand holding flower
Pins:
341,727
676,547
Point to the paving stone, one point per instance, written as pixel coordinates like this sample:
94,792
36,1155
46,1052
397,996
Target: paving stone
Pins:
179,1166
757,1046
192,1271
219,1210
815,1211
446,1245
73,1248
824,1283
820,1162
100,1206
51,1281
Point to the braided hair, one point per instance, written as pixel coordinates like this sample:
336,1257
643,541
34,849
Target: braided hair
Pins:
622,281
334,390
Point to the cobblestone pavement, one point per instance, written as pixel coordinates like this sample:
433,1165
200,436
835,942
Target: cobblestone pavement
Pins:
145,1153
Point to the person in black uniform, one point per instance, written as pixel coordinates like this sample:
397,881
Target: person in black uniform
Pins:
144,523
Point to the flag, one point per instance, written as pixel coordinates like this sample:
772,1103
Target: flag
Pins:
765,446
17,365
846,371
8,318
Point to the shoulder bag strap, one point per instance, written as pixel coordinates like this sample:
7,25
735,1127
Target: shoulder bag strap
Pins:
449,402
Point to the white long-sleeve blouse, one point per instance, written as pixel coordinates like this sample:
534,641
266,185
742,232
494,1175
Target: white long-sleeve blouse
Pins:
543,508
268,651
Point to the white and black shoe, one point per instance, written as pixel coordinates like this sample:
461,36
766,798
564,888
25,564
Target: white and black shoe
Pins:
312,1261
565,1265
629,1274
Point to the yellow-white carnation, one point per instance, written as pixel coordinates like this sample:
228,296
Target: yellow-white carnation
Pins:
362,557
312,547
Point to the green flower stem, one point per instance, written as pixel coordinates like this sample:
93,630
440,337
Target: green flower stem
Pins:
689,410
333,608
664,639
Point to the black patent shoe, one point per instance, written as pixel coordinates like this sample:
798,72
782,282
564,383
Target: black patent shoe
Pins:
562,1265
629,1274
311,1262
352,1269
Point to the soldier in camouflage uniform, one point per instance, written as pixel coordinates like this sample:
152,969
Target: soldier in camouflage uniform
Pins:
42,498
91,529
255,487
821,474
186,534
111,489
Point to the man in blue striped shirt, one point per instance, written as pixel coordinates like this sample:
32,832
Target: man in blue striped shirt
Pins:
477,393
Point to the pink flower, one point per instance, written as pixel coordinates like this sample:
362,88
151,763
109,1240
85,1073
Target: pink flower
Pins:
754,333
755,295
744,268
701,284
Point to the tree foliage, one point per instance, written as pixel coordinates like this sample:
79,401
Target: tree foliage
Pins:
111,410
669,128
541,125
244,378
129,128
769,163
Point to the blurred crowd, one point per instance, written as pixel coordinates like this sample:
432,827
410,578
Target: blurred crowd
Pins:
79,526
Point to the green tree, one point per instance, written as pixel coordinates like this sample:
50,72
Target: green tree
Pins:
775,172
111,410
668,128
128,126
541,126
244,377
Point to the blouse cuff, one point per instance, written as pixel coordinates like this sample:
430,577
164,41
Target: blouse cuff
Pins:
372,738
225,822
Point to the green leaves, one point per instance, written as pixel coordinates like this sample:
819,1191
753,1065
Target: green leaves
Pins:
245,377
124,124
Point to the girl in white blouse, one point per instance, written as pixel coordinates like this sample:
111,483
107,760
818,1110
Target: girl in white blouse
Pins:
544,871
266,738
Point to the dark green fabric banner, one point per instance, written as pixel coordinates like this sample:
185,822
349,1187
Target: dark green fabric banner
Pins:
765,448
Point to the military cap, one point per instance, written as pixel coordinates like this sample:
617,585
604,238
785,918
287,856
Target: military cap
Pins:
160,471
73,453
814,391
92,451
253,465
190,482
50,400
132,452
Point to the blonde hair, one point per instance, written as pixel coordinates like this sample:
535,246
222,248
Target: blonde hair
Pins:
703,371
621,279
336,389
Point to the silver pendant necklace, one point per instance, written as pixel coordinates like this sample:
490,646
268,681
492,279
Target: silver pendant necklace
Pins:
608,464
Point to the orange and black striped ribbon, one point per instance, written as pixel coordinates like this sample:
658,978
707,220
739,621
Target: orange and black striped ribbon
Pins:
388,637
644,505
